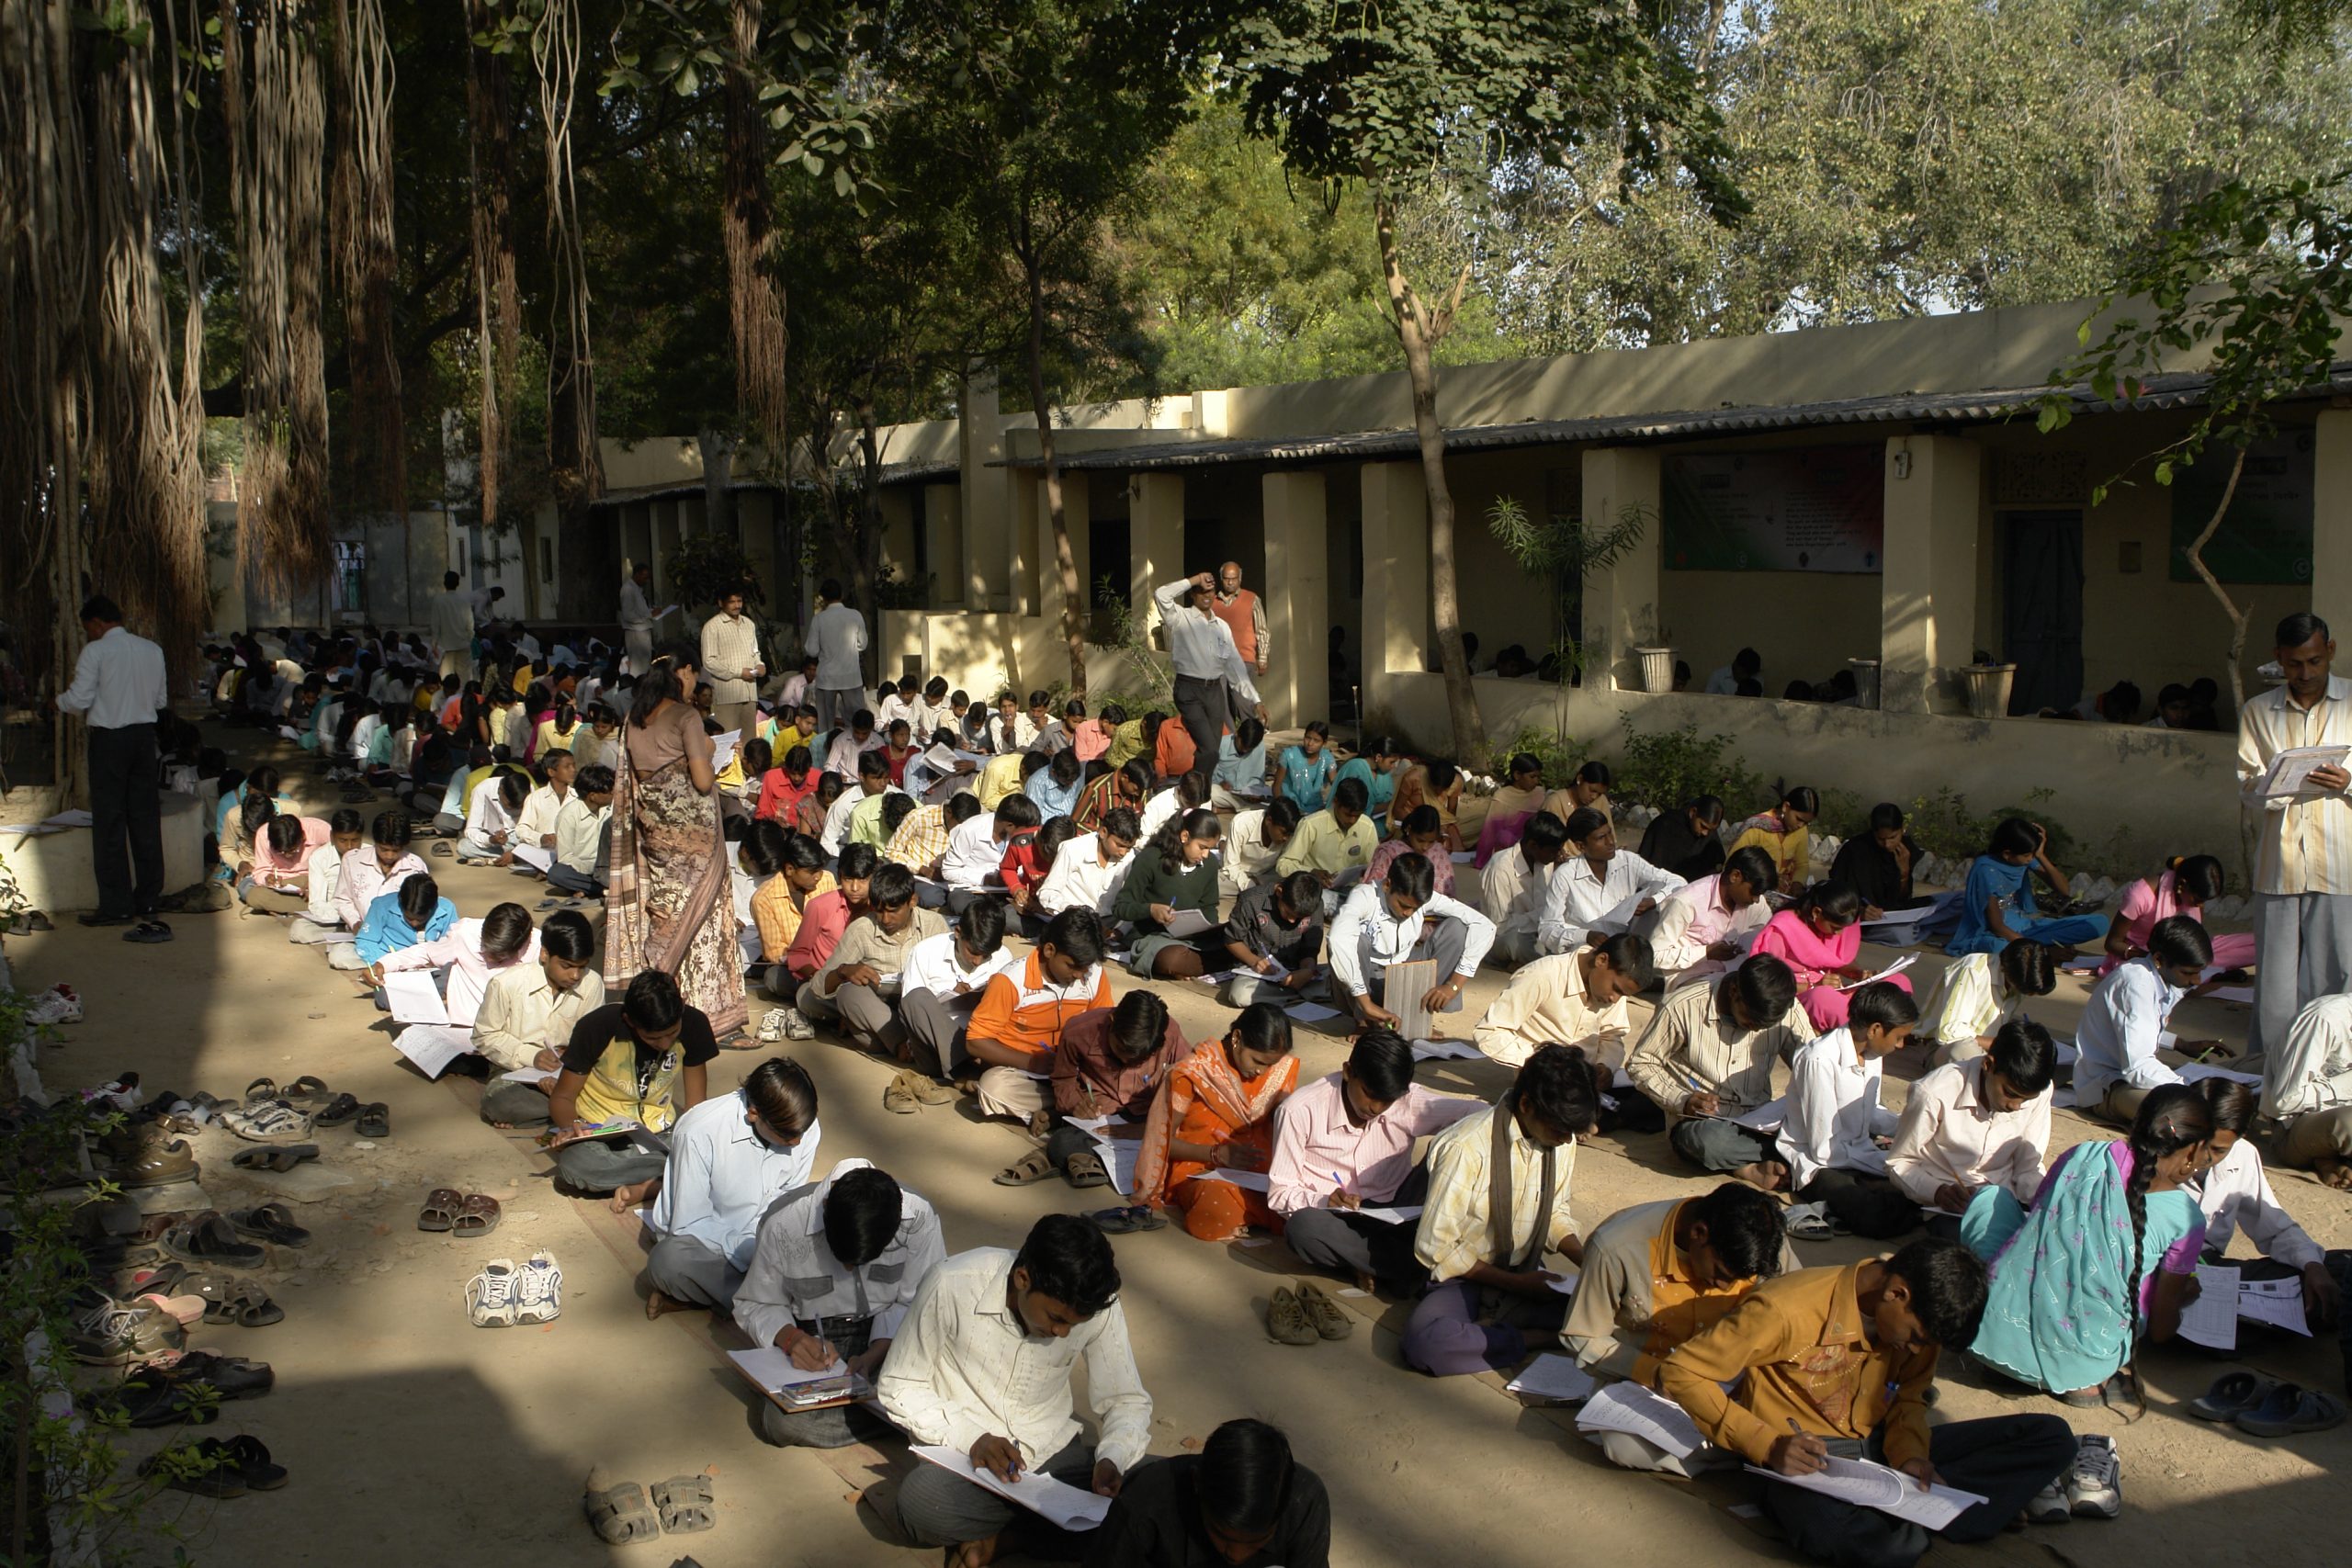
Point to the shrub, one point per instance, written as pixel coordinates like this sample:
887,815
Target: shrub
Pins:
1561,755
1664,769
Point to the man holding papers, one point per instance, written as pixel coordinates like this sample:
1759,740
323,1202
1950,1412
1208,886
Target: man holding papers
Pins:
1838,1362
2302,880
981,1367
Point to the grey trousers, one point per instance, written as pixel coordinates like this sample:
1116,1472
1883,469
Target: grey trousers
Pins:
345,955
510,1104
272,900
737,717
1714,1145
836,1426
2003,1458
2316,1135
2302,943
686,1270
1342,1242
1441,940
934,1508
935,1026
303,928
601,1164
833,708
861,1011
562,878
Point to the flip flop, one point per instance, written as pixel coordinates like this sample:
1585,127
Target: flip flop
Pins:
2290,1409
440,1211
1127,1220
306,1087
1808,1222
270,1223
284,1158
209,1240
251,1460
2231,1393
1033,1167
237,1302
686,1504
477,1215
148,931
260,1089
338,1110
374,1121
203,1468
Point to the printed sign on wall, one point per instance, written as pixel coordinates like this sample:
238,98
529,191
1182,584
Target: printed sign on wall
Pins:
1806,509
2266,538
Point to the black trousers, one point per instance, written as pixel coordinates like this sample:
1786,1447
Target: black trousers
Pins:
127,819
2004,1458
1202,705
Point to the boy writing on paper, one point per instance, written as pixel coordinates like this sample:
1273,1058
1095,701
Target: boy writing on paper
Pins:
1707,1057
1979,1122
1839,1362
1836,1131
1575,998
528,1016
1023,1010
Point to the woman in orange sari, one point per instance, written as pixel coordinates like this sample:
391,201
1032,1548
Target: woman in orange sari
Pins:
1215,1111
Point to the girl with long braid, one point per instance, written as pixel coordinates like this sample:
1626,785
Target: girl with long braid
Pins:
2106,1256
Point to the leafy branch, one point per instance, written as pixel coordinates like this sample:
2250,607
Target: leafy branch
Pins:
1567,550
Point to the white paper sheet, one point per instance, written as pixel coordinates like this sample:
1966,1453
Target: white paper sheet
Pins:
773,1370
942,759
1869,1486
532,855
414,998
433,1047
1463,857
1255,1180
1403,986
1897,967
1620,918
1553,1377
1444,1051
2279,1303
2197,1072
1311,1012
722,749
1564,1281
1404,1216
1627,1407
2291,771
528,1074
1053,1500
1765,1118
1118,1156
2212,1320
1189,923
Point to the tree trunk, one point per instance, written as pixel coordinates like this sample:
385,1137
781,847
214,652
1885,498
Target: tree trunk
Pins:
865,558
718,450
1065,558
366,261
1413,332
755,293
2229,606
490,150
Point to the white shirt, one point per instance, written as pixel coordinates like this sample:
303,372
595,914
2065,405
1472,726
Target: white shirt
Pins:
1834,1115
118,681
1199,644
469,972
1366,939
486,814
1577,896
730,644
521,1014
637,611
838,633
1512,893
1969,1000
537,818
361,881
935,965
964,1367
362,735
1722,683
794,1279
1079,879
1157,807
972,851
723,1177
580,833
836,826
1244,857
1015,736
452,622
326,879
1949,1133
2235,1194
2314,1070
2118,1035
2306,839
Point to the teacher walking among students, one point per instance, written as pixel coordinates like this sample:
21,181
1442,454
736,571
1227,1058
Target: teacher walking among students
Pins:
1201,647
120,688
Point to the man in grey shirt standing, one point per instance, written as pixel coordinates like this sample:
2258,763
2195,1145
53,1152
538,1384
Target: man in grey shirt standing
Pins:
838,635
120,688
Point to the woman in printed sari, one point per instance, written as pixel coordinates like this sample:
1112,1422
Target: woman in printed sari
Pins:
1215,1111
667,904
2108,1252
1818,939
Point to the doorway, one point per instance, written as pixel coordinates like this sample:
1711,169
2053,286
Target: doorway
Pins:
2043,608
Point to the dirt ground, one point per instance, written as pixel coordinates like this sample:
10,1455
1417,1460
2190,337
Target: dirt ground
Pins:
415,1437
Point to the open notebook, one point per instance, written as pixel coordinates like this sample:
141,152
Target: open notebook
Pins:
1872,1486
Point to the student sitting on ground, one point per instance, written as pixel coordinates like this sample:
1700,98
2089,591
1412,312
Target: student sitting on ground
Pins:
644,1060
1998,906
1024,1008
1842,1361
490,818
412,913
1436,784
1705,927
775,914
529,1014
1573,998
876,819
1657,1274
1028,858
1173,873
1126,788
467,959
2234,1193
1498,1202
321,921
1054,786
1344,1144
2184,887
2107,1254
582,852
1517,798
1303,774
2308,1088
276,880
872,778
535,824
2123,1023
1243,1499
1686,840
1707,1057
1107,1063
1877,864
1977,1123
784,788
1595,880
1336,845
1589,791
858,986
1516,883
831,1276
938,989
1271,941
1238,780
846,755
1785,833
825,915
1254,841
1214,1111
730,1158
1835,1132
1401,921
1819,939
1976,995
1088,866
920,843
972,863
1191,793
1421,833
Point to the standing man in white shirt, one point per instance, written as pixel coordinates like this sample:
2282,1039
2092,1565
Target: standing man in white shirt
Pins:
1199,645
838,633
637,619
451,622
730,659
2302,879
981,1367
119,689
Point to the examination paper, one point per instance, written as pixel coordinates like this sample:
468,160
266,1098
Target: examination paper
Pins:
1056,1501
1869,1486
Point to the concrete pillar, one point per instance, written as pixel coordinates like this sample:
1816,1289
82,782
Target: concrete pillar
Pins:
1078,519
942,526
1395,638
1621,604
986,500
1297,590
2330,531
1935,495
898,524
1155,536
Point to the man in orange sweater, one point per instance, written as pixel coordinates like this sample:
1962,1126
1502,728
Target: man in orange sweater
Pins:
1020,1019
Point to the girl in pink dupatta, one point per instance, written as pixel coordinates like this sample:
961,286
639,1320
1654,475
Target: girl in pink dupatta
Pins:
2186,884
1215,1111
1819,939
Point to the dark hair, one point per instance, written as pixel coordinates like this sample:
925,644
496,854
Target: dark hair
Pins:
1197,825
890,885
1880,1002
800,852
1885,815
2013,836
505,931
1802,798
981,925
1381,1062
1413,875
763,847
1421,820
345,820
1439,774
2024,1053
286,833
596,779
1135,773
1263,1026
1064,767
1350,794
1755,867
757,756
1835,899
831,589
864,1209
1766,987
1747,660
1706,807
873,766
450,578
1948,1285
1302,892
513,790
1243,1477
1744,1226
568,936
1139,1026
780,1090
653,1003
2172,1118
392,828
2300,629
1631,956
254,814
98,607
1546,832
2233,1104
1069,1259
1558,1086
1016,811
2200,876
1583,823
2178,940
420,896
856,862
1523,763
1121,822
2030,966
963,805
1248,736
660,682
1283,812
1051,836
1076,934
1597,772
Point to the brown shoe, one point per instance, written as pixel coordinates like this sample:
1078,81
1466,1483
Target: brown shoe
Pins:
1286,1320
1324,1312
156,1164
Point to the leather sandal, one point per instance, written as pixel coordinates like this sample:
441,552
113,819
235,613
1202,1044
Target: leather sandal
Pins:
440,1211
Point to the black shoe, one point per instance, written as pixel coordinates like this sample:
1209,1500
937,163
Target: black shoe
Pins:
148,931
103,919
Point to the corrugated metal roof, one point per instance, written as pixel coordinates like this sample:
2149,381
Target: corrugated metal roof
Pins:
892,473
1988,406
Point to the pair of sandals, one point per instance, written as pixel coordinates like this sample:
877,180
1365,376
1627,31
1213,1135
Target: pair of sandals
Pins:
505,1296
459,1213
910,1091
209,1238
620,1514
190,1388
1085,1169
215,1469
2268,1407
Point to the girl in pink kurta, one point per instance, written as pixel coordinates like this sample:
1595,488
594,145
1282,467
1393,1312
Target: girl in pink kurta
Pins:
1819,939
2186,884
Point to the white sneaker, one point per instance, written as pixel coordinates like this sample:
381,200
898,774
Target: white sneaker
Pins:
538,1293
772,1025
2095,1486
796,1025
2050,1506
56,1005
490,1295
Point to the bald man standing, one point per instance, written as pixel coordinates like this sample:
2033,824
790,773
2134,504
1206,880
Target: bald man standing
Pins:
1244,614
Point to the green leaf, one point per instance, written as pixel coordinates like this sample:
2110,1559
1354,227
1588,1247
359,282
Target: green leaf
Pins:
842,183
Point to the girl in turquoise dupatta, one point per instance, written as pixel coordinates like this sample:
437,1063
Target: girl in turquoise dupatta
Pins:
1998,906
2110,1225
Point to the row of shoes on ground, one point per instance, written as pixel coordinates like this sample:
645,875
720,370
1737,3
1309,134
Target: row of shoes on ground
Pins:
1306,1315
188,1389
212,1467
503,1295
621,1512
220,1299
2268,1407
2091,1488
